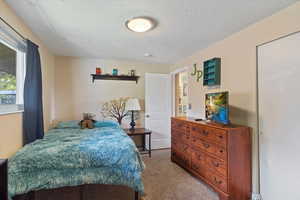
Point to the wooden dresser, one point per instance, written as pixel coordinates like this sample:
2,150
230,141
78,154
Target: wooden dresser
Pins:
3,180
219,155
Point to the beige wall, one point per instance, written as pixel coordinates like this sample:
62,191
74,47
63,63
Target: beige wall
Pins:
12,125
10,134
75,93
238,54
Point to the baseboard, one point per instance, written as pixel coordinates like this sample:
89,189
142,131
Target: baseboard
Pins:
161,143
256,196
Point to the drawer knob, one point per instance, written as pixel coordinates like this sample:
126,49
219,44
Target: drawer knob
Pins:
205,133
221,136
215,164
195,167
216,181
221,151
206,145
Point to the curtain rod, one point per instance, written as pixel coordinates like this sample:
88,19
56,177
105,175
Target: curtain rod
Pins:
17,32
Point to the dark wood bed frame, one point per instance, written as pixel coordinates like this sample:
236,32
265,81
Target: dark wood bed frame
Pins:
83,192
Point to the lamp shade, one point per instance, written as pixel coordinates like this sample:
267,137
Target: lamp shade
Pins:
133,104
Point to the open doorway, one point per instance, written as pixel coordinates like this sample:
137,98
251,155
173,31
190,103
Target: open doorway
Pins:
181,94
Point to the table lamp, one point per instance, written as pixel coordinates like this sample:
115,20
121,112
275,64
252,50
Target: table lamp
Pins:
132,105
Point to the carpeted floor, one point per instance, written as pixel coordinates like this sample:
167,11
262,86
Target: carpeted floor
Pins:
165,180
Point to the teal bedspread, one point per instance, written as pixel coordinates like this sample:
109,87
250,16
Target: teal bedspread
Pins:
72,157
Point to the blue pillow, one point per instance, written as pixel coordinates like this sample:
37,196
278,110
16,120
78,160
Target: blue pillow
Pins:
68,124
106,123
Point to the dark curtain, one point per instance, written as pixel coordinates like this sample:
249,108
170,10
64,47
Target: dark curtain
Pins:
33,123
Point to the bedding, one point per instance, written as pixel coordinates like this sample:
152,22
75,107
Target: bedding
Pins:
72,157
68,124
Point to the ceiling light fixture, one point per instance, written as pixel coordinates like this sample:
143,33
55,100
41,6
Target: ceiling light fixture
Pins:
147,54
140,24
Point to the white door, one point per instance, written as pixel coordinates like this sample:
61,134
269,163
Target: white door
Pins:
279,109
158,109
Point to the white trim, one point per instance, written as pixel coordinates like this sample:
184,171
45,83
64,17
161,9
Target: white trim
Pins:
183,69
12,112
11,109
20,72
256,196
160,143
20,76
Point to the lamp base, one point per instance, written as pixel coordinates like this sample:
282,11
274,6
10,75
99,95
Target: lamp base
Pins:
132,123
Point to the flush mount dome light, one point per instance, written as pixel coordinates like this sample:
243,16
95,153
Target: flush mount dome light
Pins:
140,24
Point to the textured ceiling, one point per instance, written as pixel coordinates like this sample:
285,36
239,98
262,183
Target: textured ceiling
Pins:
95,28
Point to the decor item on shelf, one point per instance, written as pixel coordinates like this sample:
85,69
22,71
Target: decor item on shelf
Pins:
115,72
115,109
132,72
133,105
98,71
88,121
197,73
212,72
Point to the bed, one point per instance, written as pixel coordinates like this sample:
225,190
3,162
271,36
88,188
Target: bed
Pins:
74,160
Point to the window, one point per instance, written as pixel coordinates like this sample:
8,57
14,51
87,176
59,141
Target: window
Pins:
8,82
12,71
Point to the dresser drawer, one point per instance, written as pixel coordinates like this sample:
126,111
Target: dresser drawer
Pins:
198,168
175,143
179,125
198,156
181,158
210,148
221,152
217,165
217,180
218,136
183,136
203,145
198,162
198,131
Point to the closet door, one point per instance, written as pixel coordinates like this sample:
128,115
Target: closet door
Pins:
279,118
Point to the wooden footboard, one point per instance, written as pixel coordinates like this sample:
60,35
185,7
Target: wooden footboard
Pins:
85,192
3,179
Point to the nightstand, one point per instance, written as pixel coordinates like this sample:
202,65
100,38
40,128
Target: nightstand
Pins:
141,132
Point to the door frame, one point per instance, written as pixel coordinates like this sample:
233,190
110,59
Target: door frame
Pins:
173,85
258,120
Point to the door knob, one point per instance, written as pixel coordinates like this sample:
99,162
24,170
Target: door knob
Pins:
147,116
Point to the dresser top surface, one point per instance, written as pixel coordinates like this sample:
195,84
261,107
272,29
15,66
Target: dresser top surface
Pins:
211,124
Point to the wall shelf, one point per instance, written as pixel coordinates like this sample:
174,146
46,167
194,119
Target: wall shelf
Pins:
113,77
212,72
